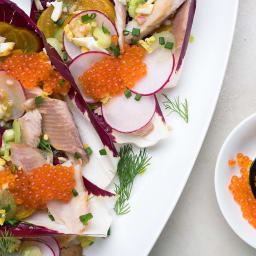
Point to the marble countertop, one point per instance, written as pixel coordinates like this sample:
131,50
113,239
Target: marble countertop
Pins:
197,226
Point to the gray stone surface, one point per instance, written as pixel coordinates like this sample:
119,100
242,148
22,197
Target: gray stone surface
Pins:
196,227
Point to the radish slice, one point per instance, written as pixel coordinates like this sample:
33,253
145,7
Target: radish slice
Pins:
51,242
44,248
80,64
128,115
15,93
101,19
160,66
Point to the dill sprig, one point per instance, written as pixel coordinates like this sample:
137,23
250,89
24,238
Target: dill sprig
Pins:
176,106
129,166
6,242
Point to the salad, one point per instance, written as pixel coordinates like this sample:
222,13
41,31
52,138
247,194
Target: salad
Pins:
79,82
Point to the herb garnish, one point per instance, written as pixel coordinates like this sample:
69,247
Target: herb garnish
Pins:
129,166
126,32
51,217
6,242
85,218
105,30
45,145
176,106
136,32
39,100
116,51
77,155
103,152
75,193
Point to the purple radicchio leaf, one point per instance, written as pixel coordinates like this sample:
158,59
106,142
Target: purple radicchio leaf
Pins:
158,110
27,230
96,191
34,12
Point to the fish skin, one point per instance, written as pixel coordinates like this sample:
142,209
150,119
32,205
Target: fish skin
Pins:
59,125
26,157
30,125
62,212
162,10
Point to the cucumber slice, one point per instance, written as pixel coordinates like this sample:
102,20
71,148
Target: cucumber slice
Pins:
7,202
104,39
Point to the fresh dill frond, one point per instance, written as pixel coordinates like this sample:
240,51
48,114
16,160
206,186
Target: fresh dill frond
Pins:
176,106
129,166
6,242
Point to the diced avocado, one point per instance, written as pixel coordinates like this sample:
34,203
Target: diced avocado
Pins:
8,135
7,203
56,45
104,39
31,251
132,6
17,131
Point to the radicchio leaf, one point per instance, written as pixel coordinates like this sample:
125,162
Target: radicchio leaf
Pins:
96,191
27,230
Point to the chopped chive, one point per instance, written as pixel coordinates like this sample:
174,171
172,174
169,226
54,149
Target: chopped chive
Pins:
105,30
126,32
37,16
91,243
127,93
117,51
133,41
7,208
13,223
85,218
136,32
39,100
103,152
51,217
169,45
85,18
93,16
109,232
88,151
75,193
161,40
77,155
62,82
59,22
65,56
138,97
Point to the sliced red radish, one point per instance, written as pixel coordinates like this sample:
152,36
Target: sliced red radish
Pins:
101,19
128,115
14,92
80,64
160,66
44,248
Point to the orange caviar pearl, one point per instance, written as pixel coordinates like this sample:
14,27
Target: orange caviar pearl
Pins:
112,75
33,70
241,190
6,176
43,184
232,162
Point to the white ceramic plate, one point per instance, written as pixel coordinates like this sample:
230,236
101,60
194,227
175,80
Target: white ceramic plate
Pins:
241,139
156,193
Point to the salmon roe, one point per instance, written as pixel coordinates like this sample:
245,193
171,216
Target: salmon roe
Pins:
112,75
33,70
241,190
43,184
6,176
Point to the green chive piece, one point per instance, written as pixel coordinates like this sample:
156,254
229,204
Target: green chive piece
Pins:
109,232
51,217
75,193
93,16
126,32
39,100
37,16
85,218
88,151
161,40
13,223
59,23
136,32
127,93
85,18
134,42
117,51
103,152
65,56
169,45
138,97
62,82
77,155
105,30
91,243
7,208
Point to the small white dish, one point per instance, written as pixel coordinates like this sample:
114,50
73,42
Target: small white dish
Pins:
241,139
